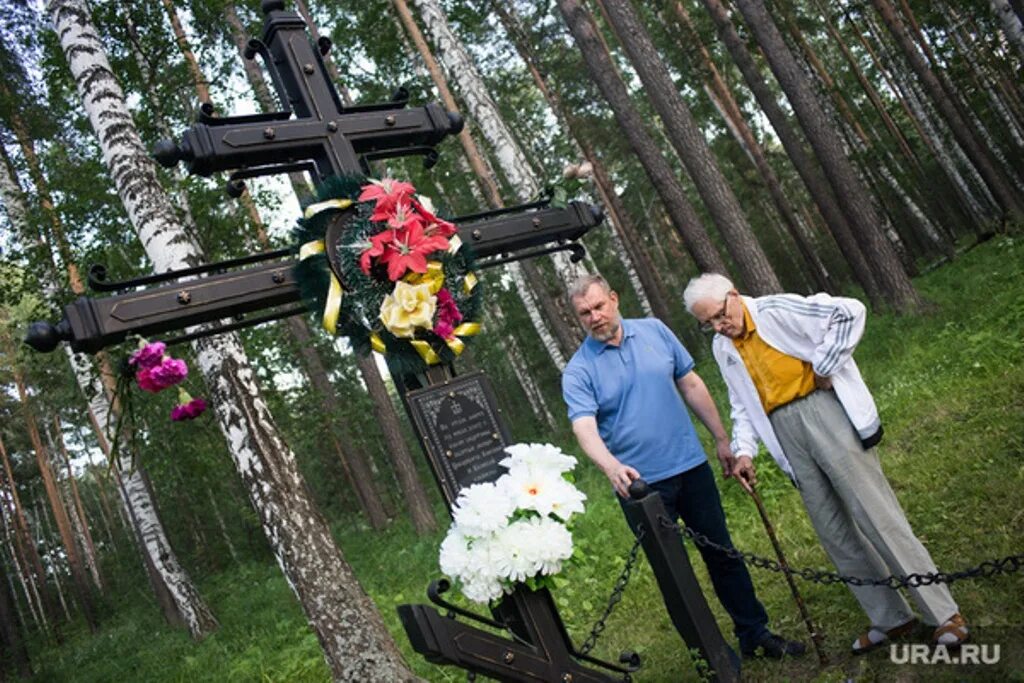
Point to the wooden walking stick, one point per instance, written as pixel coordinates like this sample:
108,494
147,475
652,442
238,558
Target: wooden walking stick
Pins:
816,636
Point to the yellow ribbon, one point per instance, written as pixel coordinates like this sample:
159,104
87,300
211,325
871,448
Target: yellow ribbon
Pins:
334,293
469,282
314,209
426,353
464,330
433,277
377,343
311,249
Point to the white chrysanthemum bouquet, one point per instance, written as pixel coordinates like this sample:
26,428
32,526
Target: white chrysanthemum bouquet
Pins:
514,529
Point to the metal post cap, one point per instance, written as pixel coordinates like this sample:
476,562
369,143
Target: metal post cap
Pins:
455,123
639,489
43,336
269,6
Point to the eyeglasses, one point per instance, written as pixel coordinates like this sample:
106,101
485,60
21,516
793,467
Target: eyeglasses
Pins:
708,325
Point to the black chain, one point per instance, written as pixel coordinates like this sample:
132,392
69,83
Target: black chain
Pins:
615,597
1006,565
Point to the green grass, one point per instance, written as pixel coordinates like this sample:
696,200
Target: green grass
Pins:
950,387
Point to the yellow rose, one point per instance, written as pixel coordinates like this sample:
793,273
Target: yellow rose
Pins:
408,307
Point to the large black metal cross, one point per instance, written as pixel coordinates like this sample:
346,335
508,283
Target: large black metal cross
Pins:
312,131
315,133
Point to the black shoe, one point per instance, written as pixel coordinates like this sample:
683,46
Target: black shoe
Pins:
775,647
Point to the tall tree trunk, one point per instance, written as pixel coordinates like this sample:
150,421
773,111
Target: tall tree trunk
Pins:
510,158
724,100
1011,24
10,633
1009,199
552,336
78,573
186,606
44,536
817,186
751,263
635,259
602,71
79,517
896,287
15,546
351,632
27,546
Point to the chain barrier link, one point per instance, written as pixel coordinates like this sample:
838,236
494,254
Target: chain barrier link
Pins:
1006,565
615,597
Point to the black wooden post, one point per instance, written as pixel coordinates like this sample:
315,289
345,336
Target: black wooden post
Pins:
683,597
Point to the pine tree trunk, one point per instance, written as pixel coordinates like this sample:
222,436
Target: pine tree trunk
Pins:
79,576
1010,200
78,517
14,547
817,186
635,260
896,287
602,71
10,633
27,547
351,632
756,273
724,100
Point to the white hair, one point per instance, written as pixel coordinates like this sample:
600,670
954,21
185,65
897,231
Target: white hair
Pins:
706,286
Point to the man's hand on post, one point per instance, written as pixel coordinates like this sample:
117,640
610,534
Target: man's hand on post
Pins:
744,472
621,476
822,382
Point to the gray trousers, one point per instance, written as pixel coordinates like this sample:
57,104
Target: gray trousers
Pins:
854,510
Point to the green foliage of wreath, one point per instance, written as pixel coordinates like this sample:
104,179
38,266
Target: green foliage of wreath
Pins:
359,317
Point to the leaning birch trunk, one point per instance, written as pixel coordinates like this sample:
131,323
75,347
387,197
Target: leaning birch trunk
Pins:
188,605
486,179
28,586
509,154
355,641
177,594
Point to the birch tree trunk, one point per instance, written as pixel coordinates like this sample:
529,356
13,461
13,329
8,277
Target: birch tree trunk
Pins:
486,178
356,643
1011,24
73,504
509,155
15,547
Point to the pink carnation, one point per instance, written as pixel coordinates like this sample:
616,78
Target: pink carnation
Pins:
448,314
188,411
146,382
157,378
149,355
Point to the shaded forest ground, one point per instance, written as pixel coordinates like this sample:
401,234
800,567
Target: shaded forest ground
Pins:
950,386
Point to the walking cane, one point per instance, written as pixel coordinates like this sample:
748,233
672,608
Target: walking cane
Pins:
815,634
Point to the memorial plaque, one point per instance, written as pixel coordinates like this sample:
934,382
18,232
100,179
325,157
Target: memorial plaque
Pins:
462,432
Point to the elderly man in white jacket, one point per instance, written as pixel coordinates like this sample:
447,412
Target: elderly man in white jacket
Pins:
794,386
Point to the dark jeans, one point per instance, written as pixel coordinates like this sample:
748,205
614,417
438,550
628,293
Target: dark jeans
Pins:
693,497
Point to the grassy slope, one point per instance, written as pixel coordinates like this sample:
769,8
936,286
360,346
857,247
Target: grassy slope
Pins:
950,386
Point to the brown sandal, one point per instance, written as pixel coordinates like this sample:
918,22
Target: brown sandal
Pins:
864,643
955,626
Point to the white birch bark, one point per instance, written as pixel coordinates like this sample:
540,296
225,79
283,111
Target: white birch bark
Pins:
356,644
1011,24
141,510
77,523
461,69
27,587
521,371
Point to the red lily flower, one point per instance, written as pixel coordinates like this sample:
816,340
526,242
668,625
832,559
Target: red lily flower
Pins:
386,192
409,251
434,225
378,247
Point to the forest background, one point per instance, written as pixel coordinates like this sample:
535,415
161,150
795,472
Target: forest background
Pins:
871,149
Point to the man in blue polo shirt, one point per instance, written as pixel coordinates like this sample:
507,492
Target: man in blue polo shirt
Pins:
623,389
